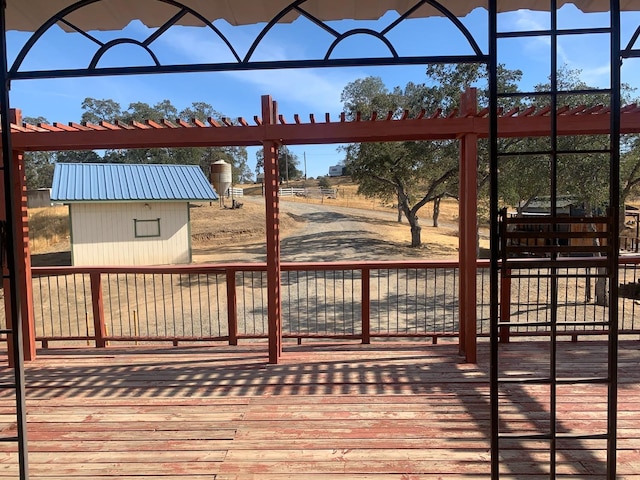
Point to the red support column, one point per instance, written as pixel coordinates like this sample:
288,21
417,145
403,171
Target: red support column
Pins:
99,327
468,231
366,306
271,175
23,273
232,307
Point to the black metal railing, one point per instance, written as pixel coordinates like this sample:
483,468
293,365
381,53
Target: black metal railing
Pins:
329,300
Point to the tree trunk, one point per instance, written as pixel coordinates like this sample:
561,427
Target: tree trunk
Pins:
436,211
601,290
416,229
399,212
601,297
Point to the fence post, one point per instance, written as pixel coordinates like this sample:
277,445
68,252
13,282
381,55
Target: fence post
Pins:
232,307
505,304
366,306
98,310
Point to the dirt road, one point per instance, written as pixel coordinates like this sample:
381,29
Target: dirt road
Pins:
329,233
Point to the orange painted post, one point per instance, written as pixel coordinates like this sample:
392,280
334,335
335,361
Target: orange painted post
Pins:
232,307
366,306
23,264
468,231
271,200
462,235
99,328
505,304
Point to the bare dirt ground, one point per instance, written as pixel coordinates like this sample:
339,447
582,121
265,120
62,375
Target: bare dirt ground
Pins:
315,232
310,230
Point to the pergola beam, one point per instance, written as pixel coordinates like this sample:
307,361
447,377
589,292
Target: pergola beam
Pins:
318,133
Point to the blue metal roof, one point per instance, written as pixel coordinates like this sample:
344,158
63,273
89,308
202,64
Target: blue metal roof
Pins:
97,182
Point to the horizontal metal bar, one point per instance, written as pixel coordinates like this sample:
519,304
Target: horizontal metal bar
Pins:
527,153
9,439
244,66
548,436
587,436
555,219
582,380
582,324
524,324
556,275
557,263
6,331
549,324
546,33
547,234
547,93
548,380
7,386
525,436
526,380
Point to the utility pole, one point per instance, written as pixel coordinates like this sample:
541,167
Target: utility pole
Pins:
286,162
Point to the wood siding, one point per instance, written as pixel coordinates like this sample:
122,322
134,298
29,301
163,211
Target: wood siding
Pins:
104,233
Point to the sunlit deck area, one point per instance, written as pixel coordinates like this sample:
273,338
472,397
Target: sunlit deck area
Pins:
329,410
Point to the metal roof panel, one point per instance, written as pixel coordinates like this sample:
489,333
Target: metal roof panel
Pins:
96,182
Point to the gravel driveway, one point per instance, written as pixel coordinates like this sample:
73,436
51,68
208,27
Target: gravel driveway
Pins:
330,233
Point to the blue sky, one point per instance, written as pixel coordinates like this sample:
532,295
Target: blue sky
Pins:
297,91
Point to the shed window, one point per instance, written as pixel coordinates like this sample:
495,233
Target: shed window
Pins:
146,228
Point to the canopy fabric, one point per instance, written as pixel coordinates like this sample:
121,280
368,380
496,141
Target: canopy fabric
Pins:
115,14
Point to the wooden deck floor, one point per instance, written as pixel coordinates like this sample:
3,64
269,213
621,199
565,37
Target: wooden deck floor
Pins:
347,411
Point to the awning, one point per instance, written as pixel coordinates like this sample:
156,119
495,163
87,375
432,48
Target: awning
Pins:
116,14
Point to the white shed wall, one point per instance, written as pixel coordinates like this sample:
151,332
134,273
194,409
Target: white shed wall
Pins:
104,233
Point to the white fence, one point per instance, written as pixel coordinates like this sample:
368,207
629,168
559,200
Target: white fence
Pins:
234,192
308,192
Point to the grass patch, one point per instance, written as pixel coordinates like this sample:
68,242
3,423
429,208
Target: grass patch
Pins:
48,227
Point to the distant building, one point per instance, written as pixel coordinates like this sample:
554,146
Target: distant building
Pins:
38,198
336,171
125,214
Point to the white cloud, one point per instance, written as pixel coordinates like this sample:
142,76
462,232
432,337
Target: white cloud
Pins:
599,76
317,89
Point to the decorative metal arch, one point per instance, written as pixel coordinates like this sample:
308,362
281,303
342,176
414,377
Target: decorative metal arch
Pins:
247,62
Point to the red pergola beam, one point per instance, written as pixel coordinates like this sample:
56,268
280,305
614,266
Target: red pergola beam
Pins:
319,133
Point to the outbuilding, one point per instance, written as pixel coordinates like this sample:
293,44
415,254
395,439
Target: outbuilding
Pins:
129,214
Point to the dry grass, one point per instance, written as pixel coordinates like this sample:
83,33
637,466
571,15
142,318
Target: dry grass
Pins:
211,224
49,229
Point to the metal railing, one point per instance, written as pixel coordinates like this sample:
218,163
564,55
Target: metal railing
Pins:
362,300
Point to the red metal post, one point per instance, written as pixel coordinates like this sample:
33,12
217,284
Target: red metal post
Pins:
366,306
99,328
232,307
468,231
271,200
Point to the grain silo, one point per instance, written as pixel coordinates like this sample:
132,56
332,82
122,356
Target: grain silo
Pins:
221,178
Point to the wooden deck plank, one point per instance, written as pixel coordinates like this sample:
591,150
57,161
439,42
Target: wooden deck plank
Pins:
400,411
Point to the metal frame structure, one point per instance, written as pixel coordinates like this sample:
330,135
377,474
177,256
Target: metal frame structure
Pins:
270,145
552,257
